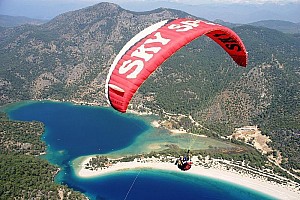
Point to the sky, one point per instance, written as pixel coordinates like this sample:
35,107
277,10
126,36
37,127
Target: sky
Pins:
48,9
197,1
215,1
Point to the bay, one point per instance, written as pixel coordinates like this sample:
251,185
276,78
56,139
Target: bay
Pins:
73,131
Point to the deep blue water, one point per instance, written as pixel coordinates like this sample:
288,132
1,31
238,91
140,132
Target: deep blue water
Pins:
73,131
81,130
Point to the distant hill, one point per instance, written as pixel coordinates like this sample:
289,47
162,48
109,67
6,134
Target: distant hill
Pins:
283,26
231,12
12,21
246,12
68,58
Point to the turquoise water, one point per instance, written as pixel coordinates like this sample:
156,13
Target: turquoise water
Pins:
73,131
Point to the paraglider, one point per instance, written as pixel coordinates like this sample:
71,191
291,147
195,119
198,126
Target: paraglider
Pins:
184,162
147,50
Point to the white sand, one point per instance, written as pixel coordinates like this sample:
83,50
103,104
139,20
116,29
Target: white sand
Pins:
155,124
273,189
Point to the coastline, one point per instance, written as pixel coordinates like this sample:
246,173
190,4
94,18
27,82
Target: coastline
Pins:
279,191
216,171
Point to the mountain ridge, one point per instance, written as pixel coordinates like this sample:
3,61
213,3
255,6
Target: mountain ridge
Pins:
12,21
245,12
283,26
68,58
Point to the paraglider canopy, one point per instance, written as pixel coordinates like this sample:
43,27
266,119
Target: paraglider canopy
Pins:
146,51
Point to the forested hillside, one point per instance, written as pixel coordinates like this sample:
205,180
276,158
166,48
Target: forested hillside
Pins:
68,59
23,175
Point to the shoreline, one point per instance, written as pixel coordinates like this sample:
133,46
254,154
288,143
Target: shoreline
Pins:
217,171
273,189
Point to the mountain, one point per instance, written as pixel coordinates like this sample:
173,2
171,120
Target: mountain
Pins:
283,26
11,21
232,12
235,12
68,58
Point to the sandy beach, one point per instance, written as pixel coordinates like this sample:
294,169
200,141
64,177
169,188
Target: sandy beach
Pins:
279,191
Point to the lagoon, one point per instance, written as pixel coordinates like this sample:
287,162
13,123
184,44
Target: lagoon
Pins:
73,131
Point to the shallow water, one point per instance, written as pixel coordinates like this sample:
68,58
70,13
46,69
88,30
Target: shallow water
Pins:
73,131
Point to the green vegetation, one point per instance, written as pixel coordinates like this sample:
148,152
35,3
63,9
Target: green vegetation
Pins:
29,177
288,142
3,117
68,59
200,80
24,175
21,138
242,155
239,153
97,162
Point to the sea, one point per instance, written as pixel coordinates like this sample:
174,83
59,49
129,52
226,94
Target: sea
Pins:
73,131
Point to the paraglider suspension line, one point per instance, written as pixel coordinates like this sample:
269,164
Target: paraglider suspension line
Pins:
132,185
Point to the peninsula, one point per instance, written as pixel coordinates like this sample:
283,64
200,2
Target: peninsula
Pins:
224,170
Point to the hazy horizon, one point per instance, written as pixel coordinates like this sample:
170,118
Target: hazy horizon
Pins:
235,11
